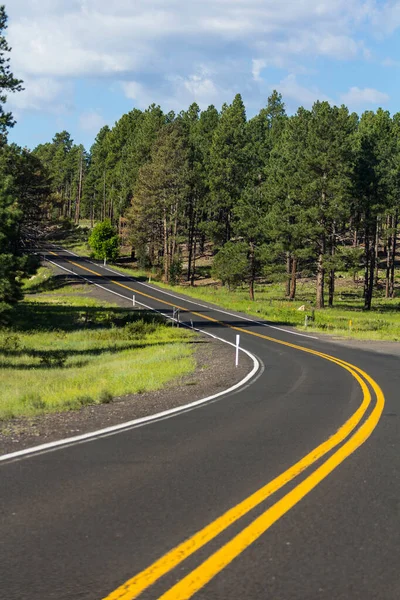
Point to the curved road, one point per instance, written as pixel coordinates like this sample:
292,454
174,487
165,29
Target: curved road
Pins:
275,491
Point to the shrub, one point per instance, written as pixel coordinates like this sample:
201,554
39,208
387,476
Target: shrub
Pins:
104,241
105,397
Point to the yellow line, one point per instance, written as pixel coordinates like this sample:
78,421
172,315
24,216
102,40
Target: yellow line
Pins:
200,576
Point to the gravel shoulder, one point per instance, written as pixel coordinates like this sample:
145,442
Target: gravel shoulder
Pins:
215,371
377,346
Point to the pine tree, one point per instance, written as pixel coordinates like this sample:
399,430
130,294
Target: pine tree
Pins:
228,168
373,182
8,83
156,217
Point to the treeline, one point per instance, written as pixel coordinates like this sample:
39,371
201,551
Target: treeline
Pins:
25,189
317,191
313,193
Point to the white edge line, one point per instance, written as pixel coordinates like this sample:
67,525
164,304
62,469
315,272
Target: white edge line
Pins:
143,420
217,309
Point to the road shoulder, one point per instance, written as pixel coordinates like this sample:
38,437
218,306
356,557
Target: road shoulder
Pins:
215,371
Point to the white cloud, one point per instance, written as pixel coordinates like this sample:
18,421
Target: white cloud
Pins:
258,64
159,47
390,62
176,92
42,93
91,121
357,97
386,16
292,90
137,92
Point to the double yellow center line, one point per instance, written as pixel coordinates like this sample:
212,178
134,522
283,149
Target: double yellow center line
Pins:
351,433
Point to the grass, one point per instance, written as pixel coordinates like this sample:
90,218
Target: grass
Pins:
346,319
74,239
65,350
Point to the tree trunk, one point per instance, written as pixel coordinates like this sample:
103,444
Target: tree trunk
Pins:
388,257
78,199
166,249
376,254
288,273
393,259
104,197
294,279
331,287
190,243
370,285
92,210
193,263
332,270
320,301
366,261
252,271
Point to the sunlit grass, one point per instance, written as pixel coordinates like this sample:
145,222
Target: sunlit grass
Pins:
64,352
347,318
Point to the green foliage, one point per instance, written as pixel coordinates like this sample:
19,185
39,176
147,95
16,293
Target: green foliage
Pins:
8,83
231,264
104,241
161,191
65,351
228,167
11,264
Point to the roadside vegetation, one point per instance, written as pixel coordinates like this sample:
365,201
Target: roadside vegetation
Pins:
347,319
65,350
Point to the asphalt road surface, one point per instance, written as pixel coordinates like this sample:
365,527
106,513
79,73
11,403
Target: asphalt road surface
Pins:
287,489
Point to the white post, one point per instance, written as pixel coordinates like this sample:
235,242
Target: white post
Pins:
133,300
105,262
237,350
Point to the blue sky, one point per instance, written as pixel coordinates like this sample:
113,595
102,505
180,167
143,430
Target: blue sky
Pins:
86,62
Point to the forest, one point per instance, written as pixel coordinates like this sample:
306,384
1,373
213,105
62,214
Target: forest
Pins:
311,193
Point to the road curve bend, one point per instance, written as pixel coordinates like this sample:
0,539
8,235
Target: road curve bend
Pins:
247,497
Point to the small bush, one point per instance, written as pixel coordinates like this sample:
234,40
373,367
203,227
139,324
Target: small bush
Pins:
10,343
139,329
105,397
175,271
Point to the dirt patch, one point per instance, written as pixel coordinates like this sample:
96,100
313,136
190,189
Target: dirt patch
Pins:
215,372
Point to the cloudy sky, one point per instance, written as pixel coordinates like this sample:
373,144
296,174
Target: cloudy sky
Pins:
86,62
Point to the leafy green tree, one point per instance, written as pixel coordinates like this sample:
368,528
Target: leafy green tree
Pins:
157,216
29,183
228,168
287,222
200,128
104,241
231,264
375,152
11,264
329,164
8,83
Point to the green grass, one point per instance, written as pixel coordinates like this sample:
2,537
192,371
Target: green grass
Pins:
346,319
64,351
381,323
